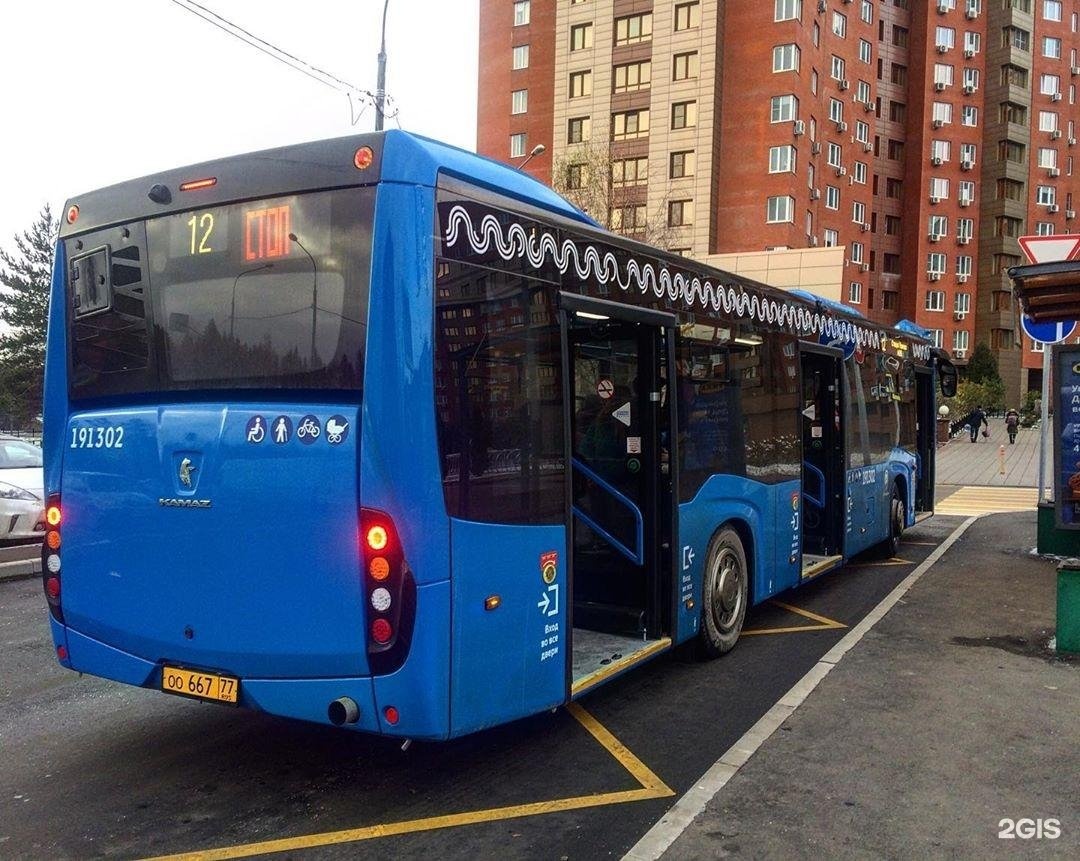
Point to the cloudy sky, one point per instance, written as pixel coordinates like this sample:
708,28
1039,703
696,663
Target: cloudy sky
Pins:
96,92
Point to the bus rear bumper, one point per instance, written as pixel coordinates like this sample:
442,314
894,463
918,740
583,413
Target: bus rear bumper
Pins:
303,699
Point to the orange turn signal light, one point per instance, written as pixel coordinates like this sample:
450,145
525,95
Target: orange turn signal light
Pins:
379,568
52,538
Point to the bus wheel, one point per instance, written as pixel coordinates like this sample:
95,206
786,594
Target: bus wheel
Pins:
726,592
897,516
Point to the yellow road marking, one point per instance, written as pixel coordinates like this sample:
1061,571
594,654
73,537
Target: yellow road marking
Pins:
651,787
988,500
895,560
824,623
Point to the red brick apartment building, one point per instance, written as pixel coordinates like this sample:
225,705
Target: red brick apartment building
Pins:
924,136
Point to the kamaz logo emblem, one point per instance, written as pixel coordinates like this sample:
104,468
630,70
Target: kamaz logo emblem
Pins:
183,503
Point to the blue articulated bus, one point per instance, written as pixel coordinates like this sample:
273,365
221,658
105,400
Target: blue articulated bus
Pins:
377,432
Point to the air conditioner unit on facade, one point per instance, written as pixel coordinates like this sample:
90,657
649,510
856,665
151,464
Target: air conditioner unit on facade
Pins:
798,127
969,53
1070,213
963,240
933,237
941,49
843,84
815,193
959,354
867,147
937,124
813,241
865,267
866,227
939,86
822,6
1055,97
936,161
1075,70
966,164
1053,171
1072,141
841,171
815,147
868,106
1053,207
1055,135
972,14
962,279
965,201
943,8
969,89
933,276
935,199
841,126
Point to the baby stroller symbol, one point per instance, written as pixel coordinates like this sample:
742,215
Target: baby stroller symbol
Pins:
337,428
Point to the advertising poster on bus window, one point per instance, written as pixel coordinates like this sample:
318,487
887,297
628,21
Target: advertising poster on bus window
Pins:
1066,406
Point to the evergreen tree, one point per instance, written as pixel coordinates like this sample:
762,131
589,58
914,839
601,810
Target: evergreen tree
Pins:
25,276
982,367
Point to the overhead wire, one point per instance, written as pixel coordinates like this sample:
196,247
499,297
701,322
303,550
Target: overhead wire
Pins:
291,60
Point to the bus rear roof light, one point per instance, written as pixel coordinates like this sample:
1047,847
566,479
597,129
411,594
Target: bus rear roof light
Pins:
196,184
72,214
363,158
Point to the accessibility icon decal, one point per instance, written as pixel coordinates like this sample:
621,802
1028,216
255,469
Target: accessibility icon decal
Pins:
308,430
256,429
282,430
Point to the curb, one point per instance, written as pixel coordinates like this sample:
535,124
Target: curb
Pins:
21,570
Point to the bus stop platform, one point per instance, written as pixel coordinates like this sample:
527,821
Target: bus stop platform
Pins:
942,728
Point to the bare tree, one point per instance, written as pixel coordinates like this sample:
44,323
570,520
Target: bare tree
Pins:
591,175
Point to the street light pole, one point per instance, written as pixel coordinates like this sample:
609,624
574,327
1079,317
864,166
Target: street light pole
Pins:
536,150
380,85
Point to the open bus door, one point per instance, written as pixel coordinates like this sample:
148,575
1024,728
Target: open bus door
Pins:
925,441
620,510
822,459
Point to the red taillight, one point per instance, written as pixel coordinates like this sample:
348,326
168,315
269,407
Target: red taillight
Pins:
363,158
391,715
72,214
381,632
50,556
61,652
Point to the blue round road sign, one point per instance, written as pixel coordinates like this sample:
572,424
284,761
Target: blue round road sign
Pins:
1048,333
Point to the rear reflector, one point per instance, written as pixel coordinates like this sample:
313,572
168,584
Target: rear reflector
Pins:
381,632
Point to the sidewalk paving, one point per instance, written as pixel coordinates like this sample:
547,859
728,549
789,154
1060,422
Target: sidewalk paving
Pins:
949,716
962,462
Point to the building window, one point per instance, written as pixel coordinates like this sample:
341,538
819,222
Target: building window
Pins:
782,159
866,11
1014,76
943,74
966,191
1052,47
858,212
627,125
935,265
865,51
862,132
971,79
960,342
892,264
944,37
892,225
577,130
785,10
856,252
628,218
1052,10
1048,121
1044,228
520,57
517,145
630,171
834,156
633,29
939,226
685,66
839,24
683,115
972,42
632,77
581,37
965,228
576,175
858,172
894,188
962,302
519,101
837,68
836,110
830,238
581,84
935,299
1045,195
940,150
1047,157
942,112
854,295
681,164
688,16
969,115
779,209
1049,85
784,109
785,58
521,13
680,213
832,197
1014,37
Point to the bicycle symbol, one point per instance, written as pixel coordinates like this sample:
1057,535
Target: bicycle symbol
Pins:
309,430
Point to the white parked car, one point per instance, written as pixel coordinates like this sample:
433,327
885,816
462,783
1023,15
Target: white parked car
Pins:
22,494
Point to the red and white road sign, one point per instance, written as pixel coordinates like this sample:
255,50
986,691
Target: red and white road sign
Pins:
1050,249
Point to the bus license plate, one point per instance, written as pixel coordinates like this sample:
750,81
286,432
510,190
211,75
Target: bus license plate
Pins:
200,686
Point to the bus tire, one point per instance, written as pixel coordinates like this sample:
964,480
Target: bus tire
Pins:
897,517
725,591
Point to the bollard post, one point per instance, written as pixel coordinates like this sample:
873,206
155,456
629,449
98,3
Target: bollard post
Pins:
1068,606
1001,460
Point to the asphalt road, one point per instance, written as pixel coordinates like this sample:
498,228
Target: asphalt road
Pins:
90,768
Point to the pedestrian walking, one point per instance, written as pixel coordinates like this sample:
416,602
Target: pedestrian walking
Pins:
1012,423
976,419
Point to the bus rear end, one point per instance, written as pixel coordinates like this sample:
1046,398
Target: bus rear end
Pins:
204,395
